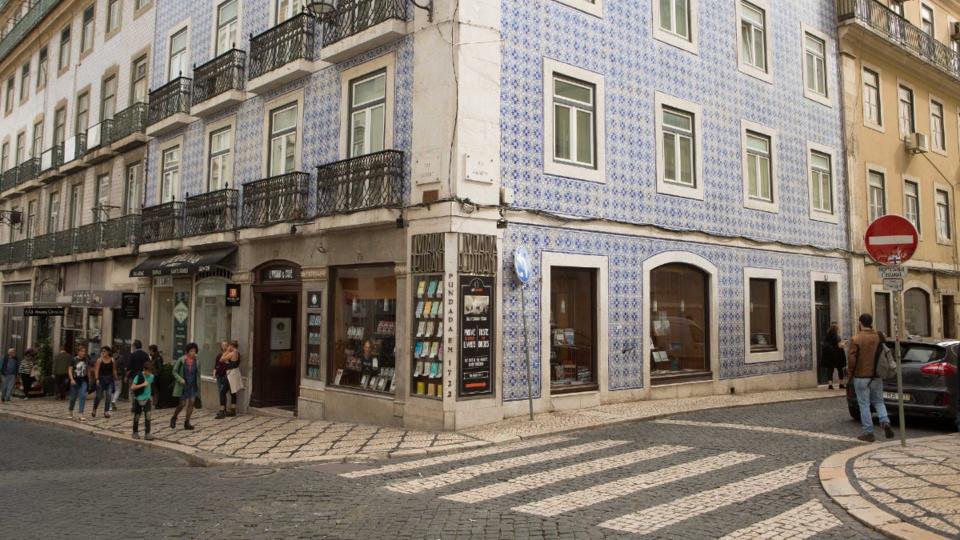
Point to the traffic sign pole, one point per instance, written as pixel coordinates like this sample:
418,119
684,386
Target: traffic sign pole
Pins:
521,267
897,304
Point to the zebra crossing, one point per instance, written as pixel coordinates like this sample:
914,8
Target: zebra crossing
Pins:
537,471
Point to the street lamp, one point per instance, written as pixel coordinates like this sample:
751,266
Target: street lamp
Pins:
320,8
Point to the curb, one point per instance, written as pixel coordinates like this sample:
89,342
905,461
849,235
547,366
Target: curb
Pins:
836,482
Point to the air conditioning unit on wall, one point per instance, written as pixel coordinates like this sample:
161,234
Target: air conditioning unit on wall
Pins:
917,143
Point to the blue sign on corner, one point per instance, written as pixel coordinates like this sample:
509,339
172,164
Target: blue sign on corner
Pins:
521,264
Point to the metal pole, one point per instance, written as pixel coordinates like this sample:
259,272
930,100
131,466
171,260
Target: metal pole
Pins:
526,346
897,300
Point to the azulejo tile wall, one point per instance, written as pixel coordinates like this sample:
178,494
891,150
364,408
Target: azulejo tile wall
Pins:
624,333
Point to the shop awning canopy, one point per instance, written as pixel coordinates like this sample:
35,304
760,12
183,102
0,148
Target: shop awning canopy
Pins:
185,264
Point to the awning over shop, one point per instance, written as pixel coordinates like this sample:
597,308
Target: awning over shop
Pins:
185,264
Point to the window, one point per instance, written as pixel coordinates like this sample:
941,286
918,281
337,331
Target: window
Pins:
37,147
21,151
83,113
113,15
59,126
368,97
102,197
896,6
753,37
573,329
592,7
815,64
5,157
911,203
86,31
877,194
170,174
926,22
226,26
138,85
937,132
679,329
140,4
53,212
76,205
763,315
63,60
131,189
42,68
881,313
944,230
872,112
916,312
573,114
759,173
283,140
11,84
31,221
15,231
25,82
108,105
221,160
907,123
821,182
674,17
285,9
177,65
679,149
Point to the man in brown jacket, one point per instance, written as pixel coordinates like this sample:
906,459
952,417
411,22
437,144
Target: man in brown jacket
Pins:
862,371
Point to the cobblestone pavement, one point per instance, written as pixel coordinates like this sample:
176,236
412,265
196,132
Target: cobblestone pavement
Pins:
919,483
683,477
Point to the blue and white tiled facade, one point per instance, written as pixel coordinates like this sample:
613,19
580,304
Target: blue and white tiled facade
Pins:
621,47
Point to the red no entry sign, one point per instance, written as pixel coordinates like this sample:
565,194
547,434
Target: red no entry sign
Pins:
891,240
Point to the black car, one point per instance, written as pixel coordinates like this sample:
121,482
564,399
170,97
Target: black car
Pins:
929,380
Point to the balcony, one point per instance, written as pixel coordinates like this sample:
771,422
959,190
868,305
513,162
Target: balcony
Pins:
21,252
360,183
162,222
893,29
218,84
276,199
121,232
29,170
357,26
169,107
73,150
283,53
43,246
50,161
5,256
88,237
129,126
8,180
211,212
64,242
19,28
98,142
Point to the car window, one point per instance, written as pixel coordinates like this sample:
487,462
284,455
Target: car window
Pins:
921,353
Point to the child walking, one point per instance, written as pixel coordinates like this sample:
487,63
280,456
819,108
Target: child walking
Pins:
140,392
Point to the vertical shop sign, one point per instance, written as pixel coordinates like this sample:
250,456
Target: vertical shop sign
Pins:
476,334
181,315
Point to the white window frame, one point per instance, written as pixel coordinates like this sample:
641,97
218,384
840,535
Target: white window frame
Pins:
238,22
552,167
367,110
84,34
227,123
742,64
924,8
691,45
269,108
816,214
883,117
175,188
915,181
386,62
827,97
664,186
765,356
913,92
167,53
108,26
594,7
755,204
937,189
942,148
132,205
871,167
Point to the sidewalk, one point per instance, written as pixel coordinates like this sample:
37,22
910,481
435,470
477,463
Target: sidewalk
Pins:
252,440
909,493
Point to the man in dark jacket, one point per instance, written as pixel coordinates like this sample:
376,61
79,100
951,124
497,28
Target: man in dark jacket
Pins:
138,358
61,362
862,373
9,368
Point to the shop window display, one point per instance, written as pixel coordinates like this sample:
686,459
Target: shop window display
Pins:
427,326
573,329
212,321
679,296
364,329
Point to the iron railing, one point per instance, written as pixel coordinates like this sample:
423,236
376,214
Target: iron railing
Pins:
74,147
222,74
8,180
51,158
360,183
121,232
99,134
899,31
21,251
355,16
161,222
17,28
169,99
43,246
64,242
215,211
29,170
293,39
131,120
88,237
5,253
276,199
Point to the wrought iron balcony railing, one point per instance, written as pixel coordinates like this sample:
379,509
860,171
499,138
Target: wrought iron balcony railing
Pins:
215,211
29,170
900,32
169,99
276,199
131,120
88,237
121,232
355,16
64,242
222,74
99,135
161,222
8,180
360,183
51,158
43,246
74,147
21,251
17,28
5,253
293,39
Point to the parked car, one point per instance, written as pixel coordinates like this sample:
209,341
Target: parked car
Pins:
929,380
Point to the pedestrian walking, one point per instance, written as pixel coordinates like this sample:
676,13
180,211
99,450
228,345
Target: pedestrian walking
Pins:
157,359
105,373
227,360
9,368
27,372
79,381
138,359
864,350
187,376
834,358
61,363
140,395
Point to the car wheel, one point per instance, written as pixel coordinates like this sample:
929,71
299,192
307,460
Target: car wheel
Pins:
854,411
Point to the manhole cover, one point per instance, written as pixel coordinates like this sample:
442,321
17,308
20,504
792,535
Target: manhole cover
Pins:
247,473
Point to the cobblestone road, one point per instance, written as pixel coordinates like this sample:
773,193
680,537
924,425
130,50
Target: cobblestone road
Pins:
680,477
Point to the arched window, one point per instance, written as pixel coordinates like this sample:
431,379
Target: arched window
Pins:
679,321
916,312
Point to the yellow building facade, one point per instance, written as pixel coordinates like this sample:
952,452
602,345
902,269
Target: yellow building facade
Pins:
900,69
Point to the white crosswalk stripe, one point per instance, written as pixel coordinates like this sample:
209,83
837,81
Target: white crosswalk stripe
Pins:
448,458
804,521
618,488
537,480
761,429
462,474
655,518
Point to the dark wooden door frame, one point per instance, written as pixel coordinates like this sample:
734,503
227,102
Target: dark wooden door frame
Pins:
261,330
